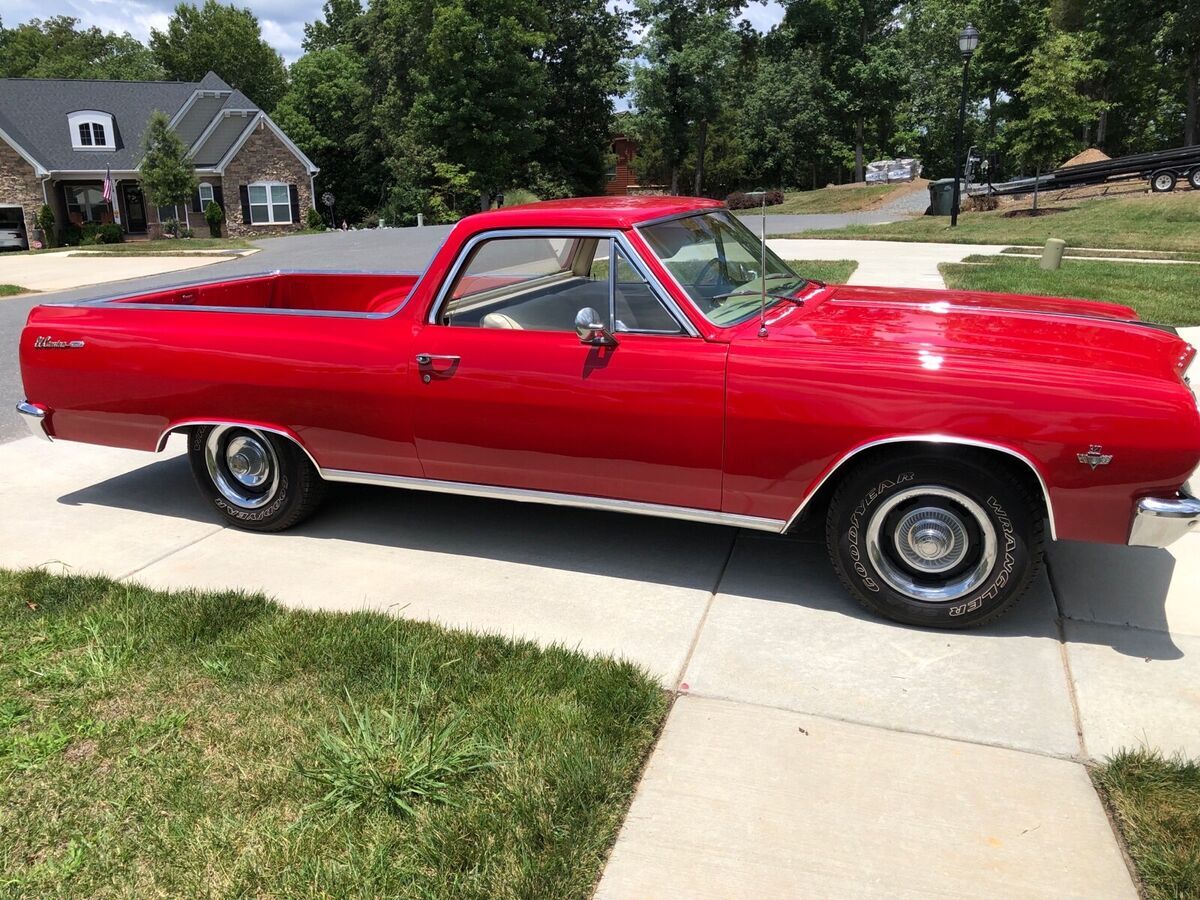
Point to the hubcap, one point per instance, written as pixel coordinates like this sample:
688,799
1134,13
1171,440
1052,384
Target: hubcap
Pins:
1163,182
931,543
242,465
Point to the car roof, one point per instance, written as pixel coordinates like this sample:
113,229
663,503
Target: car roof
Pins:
589,212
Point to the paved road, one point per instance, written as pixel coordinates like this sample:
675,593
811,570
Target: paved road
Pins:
781,224
386,250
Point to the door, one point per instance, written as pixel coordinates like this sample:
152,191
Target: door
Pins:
508,394
135,208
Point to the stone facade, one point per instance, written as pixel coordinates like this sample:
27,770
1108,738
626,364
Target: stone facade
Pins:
19,186
264,157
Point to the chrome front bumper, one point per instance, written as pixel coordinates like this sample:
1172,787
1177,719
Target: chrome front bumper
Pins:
34,417
1161,522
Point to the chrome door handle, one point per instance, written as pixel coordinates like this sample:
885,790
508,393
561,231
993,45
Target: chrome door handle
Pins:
426,359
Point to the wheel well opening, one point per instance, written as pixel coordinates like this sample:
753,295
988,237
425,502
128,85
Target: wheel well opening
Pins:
818,504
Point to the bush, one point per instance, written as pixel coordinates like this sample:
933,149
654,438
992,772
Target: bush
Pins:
738,200
314,220
45,221
214,216
72,234
93,233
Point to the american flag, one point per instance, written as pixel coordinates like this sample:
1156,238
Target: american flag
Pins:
108,191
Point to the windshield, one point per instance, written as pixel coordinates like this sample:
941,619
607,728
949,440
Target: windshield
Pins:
718,262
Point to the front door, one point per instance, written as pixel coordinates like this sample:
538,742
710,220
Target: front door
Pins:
135,208
507,394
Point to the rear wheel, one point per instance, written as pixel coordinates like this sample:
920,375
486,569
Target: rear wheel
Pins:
254,479
1194,178
941,542
1162,182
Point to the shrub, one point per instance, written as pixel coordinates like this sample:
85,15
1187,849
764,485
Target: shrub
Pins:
738,200
109,234
45,221
313,219
72,234
214,216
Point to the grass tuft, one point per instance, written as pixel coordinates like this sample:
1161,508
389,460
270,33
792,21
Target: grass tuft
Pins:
1156,803
392,760
11,290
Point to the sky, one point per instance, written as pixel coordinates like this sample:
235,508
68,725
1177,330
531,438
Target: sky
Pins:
282,21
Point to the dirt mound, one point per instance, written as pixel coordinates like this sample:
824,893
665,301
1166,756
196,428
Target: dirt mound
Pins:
1090,155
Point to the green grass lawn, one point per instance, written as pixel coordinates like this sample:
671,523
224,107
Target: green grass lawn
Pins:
836,271
832,200
199,744
1164,293
1156,804
165,247
1142,223
8,290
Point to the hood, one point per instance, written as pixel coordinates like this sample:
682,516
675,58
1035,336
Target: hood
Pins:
1007,328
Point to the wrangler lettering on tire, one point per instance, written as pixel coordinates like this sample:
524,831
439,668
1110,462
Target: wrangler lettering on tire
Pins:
936,540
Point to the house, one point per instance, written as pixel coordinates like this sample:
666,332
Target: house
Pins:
58,138
621,177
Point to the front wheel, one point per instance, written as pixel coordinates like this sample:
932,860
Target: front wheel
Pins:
254,479
1163,182
1194,178
935,541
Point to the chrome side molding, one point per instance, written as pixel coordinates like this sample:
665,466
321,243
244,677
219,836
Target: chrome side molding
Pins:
551,498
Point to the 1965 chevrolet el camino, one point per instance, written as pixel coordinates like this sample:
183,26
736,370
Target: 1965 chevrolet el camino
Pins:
647,355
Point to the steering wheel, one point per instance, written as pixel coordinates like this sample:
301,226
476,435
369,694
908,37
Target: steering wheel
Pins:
704,271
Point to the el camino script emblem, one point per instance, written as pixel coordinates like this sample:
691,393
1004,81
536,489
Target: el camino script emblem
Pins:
45,342
1094,457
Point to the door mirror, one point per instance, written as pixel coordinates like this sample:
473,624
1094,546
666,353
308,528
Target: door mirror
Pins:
591,330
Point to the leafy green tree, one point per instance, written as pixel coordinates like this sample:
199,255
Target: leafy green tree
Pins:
482,94
341,26
1057,107
326,111
226,40
167,174
1181,50
58,48
688,48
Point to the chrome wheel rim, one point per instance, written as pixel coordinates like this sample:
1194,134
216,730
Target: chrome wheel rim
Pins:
930,543
242,464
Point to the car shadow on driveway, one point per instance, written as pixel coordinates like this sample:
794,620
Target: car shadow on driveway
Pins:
1112,585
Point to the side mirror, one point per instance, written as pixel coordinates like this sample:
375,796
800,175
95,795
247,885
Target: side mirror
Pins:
591,330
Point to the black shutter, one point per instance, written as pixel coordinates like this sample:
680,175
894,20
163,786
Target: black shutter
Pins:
295,195
244,192
219,198
196,202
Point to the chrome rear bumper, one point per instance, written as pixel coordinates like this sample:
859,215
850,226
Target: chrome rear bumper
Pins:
1160,522
34,417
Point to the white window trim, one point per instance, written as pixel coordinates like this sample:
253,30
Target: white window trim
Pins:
91,117
211,195
271,220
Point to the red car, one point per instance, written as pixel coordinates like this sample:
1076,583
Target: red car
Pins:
648,355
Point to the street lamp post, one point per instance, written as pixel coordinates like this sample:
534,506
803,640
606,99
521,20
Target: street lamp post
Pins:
968,40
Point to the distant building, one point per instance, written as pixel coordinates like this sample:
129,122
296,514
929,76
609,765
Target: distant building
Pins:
60,137
620,176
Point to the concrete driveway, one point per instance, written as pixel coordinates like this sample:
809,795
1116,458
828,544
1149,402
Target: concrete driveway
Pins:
814,750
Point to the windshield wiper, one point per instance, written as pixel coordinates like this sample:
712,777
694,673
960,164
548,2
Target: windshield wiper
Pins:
773,296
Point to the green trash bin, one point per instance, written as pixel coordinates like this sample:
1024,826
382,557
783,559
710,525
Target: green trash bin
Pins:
941,197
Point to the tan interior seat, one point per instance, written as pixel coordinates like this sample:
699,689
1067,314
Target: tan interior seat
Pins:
500,320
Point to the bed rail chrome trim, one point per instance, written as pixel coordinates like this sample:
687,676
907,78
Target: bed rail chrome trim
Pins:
188,423
929,439
550,498
34,417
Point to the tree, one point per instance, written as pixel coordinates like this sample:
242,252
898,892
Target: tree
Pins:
687,47
482,95
167,174
585,44
326,111
58,48
1181,45
1057,107
226,40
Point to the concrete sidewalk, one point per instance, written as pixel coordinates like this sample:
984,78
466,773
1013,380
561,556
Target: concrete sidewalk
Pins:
62,270
814,750
885,263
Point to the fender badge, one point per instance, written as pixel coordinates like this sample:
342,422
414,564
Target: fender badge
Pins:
45,342
1094,457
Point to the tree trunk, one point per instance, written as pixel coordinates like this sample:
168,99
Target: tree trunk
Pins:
858,149
1102,128
485,201
1037,183
674,180
1193,102
701,141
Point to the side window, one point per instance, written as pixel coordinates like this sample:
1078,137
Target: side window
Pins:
543,283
